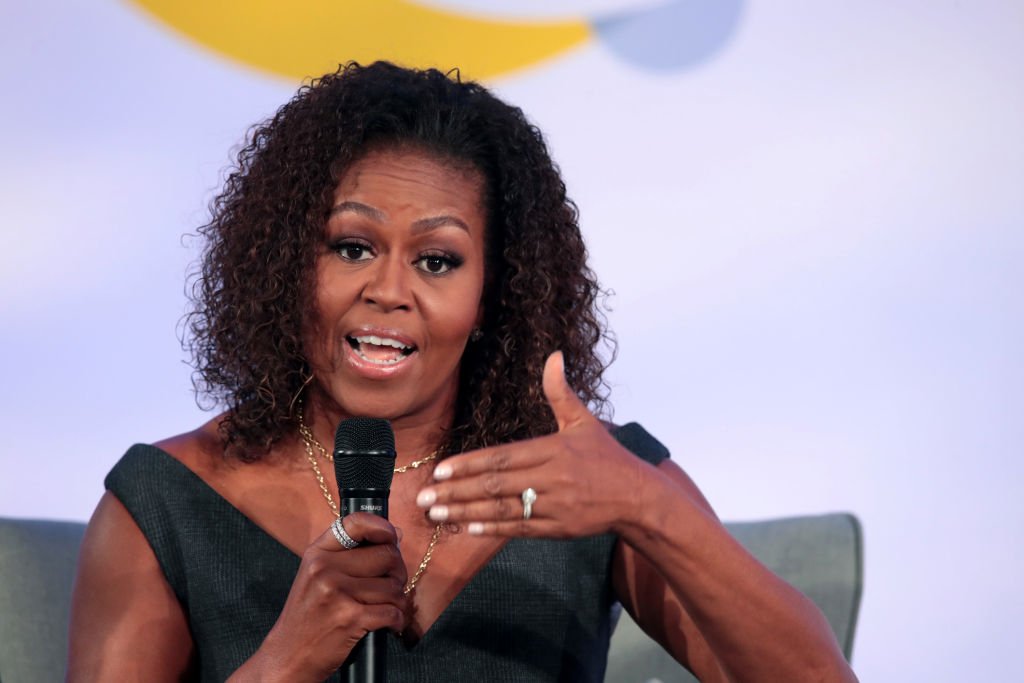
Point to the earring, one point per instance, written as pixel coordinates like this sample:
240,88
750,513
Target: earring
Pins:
476,335
297,398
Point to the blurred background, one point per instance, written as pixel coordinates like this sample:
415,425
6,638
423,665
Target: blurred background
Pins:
809,216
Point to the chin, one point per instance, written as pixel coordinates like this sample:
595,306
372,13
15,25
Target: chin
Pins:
390,403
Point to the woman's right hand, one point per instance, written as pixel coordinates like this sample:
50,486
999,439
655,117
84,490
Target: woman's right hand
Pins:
338,596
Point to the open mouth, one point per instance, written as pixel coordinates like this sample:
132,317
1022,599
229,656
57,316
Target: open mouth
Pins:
380,350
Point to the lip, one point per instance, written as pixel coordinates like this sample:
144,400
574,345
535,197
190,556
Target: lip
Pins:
369,330
371,370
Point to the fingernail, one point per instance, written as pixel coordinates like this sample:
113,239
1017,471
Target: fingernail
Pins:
439,513
475,528
426,498
442,471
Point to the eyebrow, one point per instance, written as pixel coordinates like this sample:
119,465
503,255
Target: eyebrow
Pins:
419,226
357,207
427,224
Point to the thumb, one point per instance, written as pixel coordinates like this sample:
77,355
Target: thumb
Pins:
565,404
362,528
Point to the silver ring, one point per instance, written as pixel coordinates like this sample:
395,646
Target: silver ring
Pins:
346,541
529,498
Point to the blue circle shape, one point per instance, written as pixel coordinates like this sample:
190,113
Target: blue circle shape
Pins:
679,34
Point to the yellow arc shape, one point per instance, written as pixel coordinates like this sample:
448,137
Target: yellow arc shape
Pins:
302,39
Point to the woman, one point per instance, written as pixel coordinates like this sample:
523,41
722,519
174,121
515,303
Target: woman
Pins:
398,244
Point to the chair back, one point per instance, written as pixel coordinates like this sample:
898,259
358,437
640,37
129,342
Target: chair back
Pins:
821,556
37,570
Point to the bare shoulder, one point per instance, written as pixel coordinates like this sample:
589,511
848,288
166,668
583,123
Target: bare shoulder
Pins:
126,623
201,450
277,491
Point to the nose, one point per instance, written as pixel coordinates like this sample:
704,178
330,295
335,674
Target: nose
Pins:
388,285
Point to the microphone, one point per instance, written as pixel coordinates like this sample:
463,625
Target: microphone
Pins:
364,463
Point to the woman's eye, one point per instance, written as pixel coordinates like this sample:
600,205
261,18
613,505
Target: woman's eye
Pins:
437,264
352,251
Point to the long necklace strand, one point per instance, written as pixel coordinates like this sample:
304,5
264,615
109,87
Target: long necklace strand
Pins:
310,441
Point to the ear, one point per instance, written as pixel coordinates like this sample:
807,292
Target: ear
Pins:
476,334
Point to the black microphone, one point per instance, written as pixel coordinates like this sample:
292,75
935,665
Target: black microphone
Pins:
364,463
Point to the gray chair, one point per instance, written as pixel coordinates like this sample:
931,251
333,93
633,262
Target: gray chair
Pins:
37,568
821,556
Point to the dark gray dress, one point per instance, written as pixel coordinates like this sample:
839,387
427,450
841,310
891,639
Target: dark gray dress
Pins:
539,610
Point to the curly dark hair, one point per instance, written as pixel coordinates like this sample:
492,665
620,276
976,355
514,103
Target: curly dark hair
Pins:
253,290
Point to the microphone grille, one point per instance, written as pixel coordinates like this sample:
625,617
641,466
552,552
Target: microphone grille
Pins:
364,453
364,434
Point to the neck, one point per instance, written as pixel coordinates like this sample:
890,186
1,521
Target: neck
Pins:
416,436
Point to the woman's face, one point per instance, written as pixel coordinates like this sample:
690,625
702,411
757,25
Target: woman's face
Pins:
399,285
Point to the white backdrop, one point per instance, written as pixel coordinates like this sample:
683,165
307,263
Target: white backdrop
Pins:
813,232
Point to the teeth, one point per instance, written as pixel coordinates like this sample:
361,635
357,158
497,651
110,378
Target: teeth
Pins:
380,361
374,340
382,341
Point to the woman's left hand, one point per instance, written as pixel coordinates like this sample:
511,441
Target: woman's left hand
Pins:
585,482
